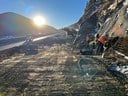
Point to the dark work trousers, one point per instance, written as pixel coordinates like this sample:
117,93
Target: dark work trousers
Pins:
99,48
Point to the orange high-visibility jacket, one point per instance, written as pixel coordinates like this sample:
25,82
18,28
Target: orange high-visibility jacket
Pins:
102,39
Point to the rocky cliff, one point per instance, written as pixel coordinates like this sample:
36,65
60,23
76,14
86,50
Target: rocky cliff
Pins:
102,16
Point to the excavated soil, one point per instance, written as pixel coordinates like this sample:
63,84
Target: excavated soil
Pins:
56,71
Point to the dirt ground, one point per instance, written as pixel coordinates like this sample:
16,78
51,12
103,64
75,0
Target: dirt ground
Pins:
56,71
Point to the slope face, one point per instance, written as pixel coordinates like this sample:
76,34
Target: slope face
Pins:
87,24
103,16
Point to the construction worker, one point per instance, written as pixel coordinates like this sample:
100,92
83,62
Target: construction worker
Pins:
100,43
87,40
96,41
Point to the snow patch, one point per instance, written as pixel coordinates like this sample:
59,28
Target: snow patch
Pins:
112,7
126,3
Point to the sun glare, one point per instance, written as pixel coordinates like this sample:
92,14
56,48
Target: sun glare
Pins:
39,20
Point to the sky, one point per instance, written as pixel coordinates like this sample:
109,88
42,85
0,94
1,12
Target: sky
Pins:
58,13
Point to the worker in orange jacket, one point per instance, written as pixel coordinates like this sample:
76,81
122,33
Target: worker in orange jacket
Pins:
101,41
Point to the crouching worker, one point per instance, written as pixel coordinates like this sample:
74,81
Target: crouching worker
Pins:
92,46
86,48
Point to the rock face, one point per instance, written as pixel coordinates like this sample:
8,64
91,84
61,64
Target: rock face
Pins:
114,18
88,23
103,16
12,24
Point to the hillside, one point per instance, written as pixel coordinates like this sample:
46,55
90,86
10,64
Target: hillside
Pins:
12,24
52,66
103,16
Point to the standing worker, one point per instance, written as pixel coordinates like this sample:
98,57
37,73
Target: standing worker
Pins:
96,41
100,43
87,40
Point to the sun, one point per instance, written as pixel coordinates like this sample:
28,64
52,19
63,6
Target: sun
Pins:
39,20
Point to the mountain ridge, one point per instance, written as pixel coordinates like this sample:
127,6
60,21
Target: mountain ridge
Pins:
17,25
